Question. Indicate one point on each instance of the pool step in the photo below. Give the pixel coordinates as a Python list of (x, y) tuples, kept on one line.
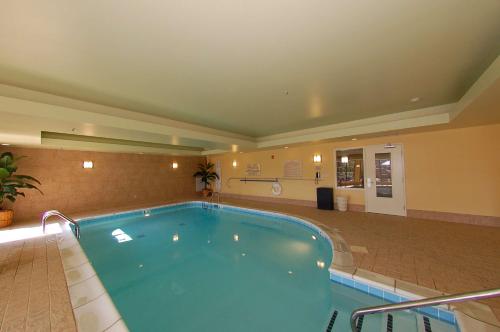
[(332, 321), (389, 323), (359, 323), (405, 321)]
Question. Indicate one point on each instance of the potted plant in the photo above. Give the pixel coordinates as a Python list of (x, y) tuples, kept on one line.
[(207, 176), (10, 185)]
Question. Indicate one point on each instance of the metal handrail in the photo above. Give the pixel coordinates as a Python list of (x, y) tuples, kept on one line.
[(51, 213), (213, 195), (432, 301)]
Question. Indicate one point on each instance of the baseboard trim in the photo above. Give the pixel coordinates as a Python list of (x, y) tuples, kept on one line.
[(281, 200), (411, 213), (460, 218)]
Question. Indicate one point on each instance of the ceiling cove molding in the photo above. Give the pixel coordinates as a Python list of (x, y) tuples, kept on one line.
[(107, 147), (215, 151), (429, 116), (485, 81)]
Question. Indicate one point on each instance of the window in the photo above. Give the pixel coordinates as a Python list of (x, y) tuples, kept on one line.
[(350, 172), (383, 175)]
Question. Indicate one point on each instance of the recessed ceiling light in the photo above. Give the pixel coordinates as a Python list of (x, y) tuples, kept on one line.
[(286, 147), (414, 99), (354, 139), (5, 144)]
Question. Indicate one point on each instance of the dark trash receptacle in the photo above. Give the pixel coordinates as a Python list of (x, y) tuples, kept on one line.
[(325, 198)]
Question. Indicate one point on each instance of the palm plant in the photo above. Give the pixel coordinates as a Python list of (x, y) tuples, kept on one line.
[(206, 174), (10, 184)]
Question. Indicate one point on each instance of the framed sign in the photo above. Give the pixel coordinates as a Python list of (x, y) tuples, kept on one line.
[(253, 169), (292, 169)]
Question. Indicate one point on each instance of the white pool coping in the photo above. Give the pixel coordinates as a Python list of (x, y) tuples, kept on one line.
[(95, 311)]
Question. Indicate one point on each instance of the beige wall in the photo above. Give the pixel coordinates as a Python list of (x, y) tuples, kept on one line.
[(117, 179), (456, 170)]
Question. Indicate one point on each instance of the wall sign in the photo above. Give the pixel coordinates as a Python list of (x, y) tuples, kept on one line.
[(253, 169), (292, 169)]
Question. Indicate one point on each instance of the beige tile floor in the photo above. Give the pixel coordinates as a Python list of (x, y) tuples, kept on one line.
[(445, 256), (33, 291)]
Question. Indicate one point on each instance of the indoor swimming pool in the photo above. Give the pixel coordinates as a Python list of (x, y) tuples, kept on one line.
[(203, 267)]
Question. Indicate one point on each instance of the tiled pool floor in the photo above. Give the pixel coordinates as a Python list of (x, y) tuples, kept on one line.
[(444, 256)]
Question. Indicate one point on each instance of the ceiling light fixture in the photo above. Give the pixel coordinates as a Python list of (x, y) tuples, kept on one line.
[(354, 139), (5, 144), (414, 99)]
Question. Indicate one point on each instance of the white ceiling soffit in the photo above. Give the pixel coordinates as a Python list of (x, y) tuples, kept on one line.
[(31, 112), (405, 120), (490, 76), (105, 147)]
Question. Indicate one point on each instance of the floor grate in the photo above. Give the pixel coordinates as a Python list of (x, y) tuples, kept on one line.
[(332, 321), (389, 322), (427, 324)]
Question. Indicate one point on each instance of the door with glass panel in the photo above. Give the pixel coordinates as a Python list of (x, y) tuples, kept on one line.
[(384, 179)]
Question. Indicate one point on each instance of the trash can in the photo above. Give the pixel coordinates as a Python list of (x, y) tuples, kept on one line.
[(324, 198), (342, 203)]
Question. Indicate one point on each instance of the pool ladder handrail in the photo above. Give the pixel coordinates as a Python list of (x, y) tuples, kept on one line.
[(56, 213), (211, 200), (431, 301)]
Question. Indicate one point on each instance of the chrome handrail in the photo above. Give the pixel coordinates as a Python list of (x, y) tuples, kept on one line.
[(51, 213), (432, 301), (211, 200)]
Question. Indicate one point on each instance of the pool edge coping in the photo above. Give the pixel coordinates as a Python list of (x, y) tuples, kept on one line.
[(464, 321)]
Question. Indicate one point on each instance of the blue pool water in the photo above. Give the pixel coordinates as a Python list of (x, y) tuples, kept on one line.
[(186, 268)]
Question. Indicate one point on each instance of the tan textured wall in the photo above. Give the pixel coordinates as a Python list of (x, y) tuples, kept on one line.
[(455, 170), (117, 179)]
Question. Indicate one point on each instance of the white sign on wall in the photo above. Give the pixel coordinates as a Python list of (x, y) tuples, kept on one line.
[(292, 169), (253, 169)]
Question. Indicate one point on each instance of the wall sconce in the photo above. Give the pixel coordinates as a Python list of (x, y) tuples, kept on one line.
[(344, 159), (235, 163), (88, 164), (317, 158), (175, 165)]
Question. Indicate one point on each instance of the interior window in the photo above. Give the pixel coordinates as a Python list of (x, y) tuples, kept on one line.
[(350, 172)]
